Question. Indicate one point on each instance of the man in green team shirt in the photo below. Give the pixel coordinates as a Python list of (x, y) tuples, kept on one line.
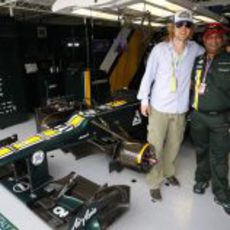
[(210, 119)]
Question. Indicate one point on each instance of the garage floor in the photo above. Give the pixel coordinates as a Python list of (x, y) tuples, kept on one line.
[(179, 210)]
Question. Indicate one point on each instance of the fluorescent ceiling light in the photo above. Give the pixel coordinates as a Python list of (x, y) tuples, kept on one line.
[(166, 4), (146, 23), (95, 14), (204, 18), (73, 44), (62, 4), (69, 5), (195, 20), (152, 9), (156, 24)]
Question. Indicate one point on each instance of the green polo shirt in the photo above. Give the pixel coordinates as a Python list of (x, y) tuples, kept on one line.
[(217, 94)]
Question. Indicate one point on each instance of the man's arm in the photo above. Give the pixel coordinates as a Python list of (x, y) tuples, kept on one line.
[(147, 80)]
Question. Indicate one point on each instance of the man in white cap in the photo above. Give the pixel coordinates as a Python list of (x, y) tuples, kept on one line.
[(164, 95)]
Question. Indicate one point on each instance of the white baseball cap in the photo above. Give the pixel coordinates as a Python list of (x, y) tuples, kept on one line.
[(183, 16)]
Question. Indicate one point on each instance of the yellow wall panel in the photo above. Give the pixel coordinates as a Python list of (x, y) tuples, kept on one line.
[(128, 62)]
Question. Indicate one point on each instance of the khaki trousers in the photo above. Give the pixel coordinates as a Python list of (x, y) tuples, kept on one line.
[(165, 133)]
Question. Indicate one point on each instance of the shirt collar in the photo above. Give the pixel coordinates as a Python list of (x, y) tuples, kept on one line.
[(188, 44)]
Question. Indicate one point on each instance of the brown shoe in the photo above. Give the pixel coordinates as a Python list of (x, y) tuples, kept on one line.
[(156, 194), (173, 181)]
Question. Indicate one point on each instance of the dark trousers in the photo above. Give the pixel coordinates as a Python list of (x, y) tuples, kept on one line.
[(211, 137)]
